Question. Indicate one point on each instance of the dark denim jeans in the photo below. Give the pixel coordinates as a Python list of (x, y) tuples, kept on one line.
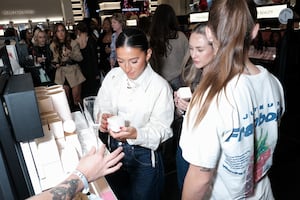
[(137, 179), (182, 167)]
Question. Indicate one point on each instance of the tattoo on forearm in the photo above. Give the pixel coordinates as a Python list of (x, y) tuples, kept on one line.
[(65, 190), (204, 169)]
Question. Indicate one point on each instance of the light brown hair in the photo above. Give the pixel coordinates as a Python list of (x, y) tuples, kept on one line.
[(231, 22)]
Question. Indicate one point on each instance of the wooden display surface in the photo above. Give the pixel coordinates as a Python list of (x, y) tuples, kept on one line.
[(102, 189)]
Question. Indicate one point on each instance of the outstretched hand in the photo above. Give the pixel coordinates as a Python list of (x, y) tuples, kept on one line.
[(96, 164)]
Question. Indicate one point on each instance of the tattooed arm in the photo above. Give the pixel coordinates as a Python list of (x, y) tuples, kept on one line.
[(65, 190), (93, 166), (197, 182)]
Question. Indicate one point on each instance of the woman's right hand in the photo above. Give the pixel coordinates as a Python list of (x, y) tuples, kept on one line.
[(180, 104), (103, 122)]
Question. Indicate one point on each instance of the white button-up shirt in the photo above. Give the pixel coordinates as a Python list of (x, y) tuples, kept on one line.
[(146, 103)]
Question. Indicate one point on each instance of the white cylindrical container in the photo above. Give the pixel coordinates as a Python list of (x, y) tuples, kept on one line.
[(60, 104)]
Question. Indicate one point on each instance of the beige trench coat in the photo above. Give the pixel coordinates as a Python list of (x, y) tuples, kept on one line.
[(72, 73)]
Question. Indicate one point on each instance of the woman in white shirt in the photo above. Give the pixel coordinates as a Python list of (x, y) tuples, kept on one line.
[(230, 130), (144, 100)]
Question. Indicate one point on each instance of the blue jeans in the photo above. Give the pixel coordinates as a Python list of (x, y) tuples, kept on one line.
[(137, 179), (182, 167)]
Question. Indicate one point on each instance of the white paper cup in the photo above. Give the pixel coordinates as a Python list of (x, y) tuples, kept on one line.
[(115, 122), (184, 93)]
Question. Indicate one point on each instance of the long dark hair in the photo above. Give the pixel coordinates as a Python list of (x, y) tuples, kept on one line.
[(108, 19), (164, 26), (82, 27), (57, 43)]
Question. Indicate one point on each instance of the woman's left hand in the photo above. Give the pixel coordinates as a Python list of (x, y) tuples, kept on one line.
[(182, 104), (124, 133)]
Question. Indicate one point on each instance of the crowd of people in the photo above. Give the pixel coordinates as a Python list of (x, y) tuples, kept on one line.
[(225, 132)]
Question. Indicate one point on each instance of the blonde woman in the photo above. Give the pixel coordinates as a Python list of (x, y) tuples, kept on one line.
[(231, 126), (42, 55), (197, 59)]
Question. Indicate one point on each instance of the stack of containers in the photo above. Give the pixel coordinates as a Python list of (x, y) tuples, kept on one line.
[(57, 153)]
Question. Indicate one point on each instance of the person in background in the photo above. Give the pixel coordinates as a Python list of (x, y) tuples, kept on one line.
[(92, 166), (135, 93), (26, 39), (10, 35), (274, 39), (118, 23), (144, 23), (42, 55), (89, 64), (94, 28), (35, 30), (26, 49), (104, 67), (258, 43), (66, 55), (104, 43), (169, 45), (230, 129), (197, 59), (92, 8), (49, 35)]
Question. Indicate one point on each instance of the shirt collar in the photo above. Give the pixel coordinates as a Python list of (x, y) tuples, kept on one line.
[(143, 80)]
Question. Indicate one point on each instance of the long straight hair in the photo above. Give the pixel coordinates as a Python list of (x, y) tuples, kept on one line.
[(164, 26), (57, 44), (231, 22)]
